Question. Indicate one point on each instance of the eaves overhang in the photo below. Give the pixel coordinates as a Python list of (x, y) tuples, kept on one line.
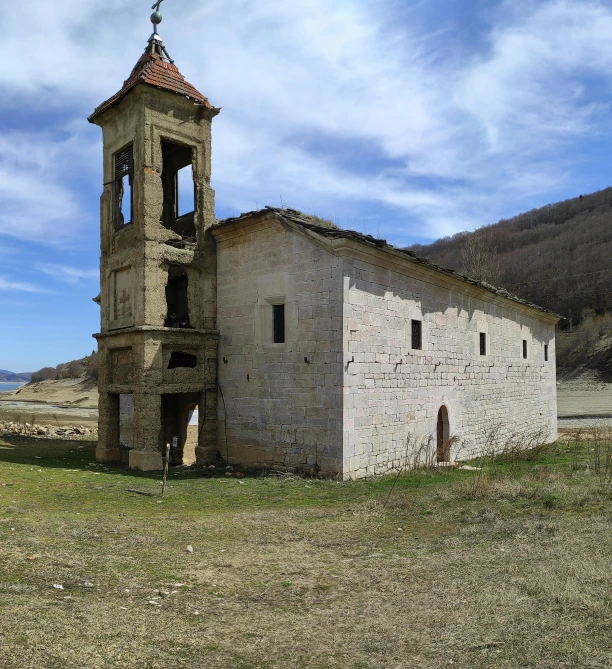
[(378, 251)]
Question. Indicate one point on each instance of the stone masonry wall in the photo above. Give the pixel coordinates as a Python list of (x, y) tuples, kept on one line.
[(392, 392), (282, 402)]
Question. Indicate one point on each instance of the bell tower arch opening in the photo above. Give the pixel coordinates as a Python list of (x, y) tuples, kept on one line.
[(177, 298), (178, 188)]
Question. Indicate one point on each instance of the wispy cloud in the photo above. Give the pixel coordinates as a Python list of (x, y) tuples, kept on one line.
[(38, 203), (341, 107), (69, 274), (19, 286)]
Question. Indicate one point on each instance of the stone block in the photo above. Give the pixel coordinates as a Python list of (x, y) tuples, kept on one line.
[(146, 461)]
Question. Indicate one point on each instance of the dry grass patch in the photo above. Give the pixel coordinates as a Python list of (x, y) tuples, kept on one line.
[(301, 573)]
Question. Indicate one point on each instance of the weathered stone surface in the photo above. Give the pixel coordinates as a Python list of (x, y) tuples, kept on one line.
[(135, 346), (47, 431), (347, 390)]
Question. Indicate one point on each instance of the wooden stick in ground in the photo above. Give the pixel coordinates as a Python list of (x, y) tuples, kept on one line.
[(166, 469)]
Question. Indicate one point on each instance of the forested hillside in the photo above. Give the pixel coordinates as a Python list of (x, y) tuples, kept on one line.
[(559, 256), (86, 367)]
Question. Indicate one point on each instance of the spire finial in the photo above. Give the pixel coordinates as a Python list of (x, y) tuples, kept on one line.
[(156, 17), (155, 41)]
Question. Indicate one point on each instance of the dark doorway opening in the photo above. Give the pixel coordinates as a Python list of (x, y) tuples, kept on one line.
[(177, 298), (180, 426), (443, 439)]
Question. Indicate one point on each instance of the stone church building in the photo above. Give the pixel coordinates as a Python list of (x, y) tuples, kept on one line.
[(273, 340)]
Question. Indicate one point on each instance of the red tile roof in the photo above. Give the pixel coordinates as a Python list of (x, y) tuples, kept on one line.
[(153, 70)]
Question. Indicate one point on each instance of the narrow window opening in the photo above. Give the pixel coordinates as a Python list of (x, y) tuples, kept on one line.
[(417, 335), (278, 312), (177, 299), (178, 188), (525, 349), (483, 343), (123, 181), (182, 359), (545, 352)]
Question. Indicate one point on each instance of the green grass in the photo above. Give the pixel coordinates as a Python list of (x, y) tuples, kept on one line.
[(506, 567)]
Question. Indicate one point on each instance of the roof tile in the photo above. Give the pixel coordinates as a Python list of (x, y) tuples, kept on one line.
[(153, 70), (310, 223)]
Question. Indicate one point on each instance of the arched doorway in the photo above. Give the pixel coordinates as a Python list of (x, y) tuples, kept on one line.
[(442, 442)]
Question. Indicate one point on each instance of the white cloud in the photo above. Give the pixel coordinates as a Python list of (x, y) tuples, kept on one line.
[(529, 85), (69, 274), (37, 201), (445, 141), (11, 286)]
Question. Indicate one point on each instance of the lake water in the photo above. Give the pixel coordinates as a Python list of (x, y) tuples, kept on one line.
[(5, 387)]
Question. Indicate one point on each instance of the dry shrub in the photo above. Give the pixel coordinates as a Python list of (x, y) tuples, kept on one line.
[(425, 456), (591, 449), (601, 445), (401, 503), (485, 516), (495, 488), (478, 487)]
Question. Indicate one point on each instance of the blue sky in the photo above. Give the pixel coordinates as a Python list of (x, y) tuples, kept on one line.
[(405, 119)]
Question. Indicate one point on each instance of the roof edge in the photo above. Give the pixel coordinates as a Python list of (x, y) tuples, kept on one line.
[(297, 217), (153, 70)]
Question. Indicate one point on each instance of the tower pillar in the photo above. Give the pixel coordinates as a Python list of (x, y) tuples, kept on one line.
[(158, 339), (146, 454), (108, 432)]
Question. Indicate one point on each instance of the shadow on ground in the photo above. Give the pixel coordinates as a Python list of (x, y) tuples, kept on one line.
[(80, 454)]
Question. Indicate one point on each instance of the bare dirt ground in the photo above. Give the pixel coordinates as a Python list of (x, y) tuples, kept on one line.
[(81, 393), (506, 567), (584, 402), (63, 402)]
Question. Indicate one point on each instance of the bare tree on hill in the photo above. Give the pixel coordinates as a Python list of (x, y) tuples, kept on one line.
[(479, 260)]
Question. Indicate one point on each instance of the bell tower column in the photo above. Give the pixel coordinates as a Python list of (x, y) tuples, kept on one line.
[(157, 266)]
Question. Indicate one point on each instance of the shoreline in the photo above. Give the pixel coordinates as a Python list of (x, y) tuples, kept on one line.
[(61, 402)]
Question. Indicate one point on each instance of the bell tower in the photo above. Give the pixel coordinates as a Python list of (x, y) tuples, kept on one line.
[(158, 344)]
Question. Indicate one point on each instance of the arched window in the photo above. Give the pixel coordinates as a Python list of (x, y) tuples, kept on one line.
[(443, 436)]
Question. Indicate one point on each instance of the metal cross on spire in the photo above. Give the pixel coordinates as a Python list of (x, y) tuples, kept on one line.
[(155, 41), (156, 17)]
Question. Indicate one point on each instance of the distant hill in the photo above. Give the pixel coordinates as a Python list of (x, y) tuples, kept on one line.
[(14, 377), (558, 256), (86, 367)]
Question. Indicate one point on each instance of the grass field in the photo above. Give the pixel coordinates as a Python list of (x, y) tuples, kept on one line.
[(510, 566)]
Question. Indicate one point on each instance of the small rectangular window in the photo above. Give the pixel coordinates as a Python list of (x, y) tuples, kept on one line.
[(278, 312), (417, 335), (545, 352), (182, 359), (123, 178), (525, 349), (483, 343)]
